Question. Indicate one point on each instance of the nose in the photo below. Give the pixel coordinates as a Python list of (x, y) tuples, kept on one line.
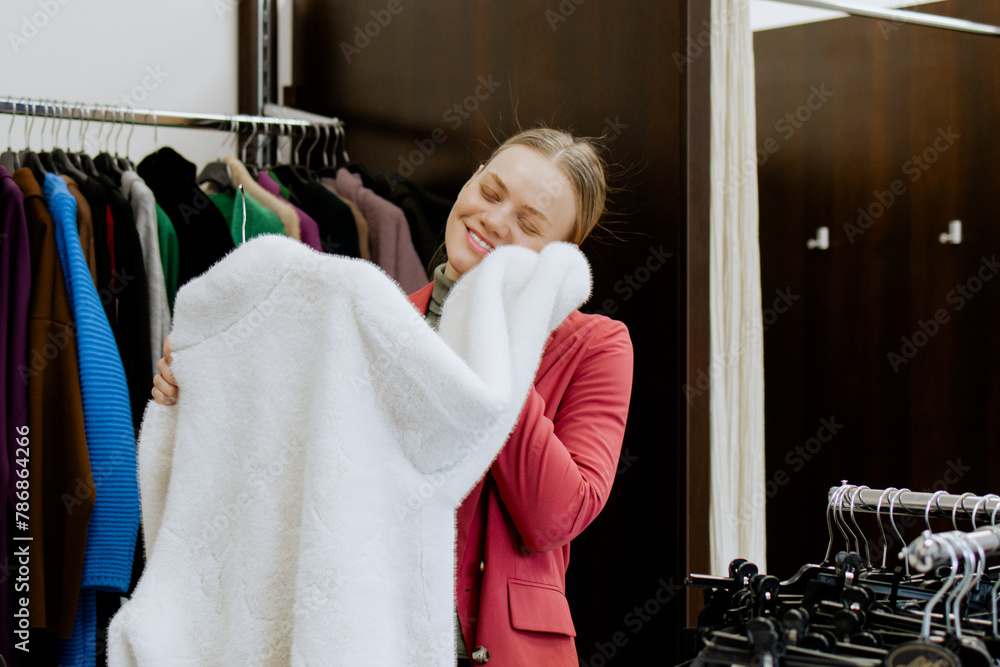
[(497, 223)]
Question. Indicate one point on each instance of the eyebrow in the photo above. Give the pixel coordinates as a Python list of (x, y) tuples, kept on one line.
[(530, 209)]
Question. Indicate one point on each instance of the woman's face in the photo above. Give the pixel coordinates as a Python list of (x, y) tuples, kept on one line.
[(520, 198)]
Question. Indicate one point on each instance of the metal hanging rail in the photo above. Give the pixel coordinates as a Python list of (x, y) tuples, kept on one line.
[(930, 550), (900, 16), (128, 115), (917, 503)]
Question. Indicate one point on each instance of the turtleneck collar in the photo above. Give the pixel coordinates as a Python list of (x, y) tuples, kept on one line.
[(442, 286)]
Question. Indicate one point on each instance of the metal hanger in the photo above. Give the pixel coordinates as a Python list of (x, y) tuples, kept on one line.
[(9, 158), (868, 557), (28, 157), (927, 510), (954, 510), (881, 527), (217, 172), (892, 520), (342, 133), (62, 160)]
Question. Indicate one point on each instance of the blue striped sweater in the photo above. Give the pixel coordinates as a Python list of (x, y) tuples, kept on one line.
[(114, 523)]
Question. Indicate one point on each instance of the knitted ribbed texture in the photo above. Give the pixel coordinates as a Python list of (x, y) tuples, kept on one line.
[(114, 523), (81, 649)]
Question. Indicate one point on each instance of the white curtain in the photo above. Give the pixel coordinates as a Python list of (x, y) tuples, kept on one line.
[(737, 367)]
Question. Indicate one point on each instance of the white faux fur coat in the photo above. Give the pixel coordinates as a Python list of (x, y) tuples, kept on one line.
[(298, 501)]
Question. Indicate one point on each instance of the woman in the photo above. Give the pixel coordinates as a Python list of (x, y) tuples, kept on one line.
[(553, 476)]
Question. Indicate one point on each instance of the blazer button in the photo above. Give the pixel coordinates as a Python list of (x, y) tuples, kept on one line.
[(482, 566), (481, 655)]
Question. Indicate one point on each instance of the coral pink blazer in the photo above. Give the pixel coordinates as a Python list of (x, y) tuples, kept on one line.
[(548, 483)]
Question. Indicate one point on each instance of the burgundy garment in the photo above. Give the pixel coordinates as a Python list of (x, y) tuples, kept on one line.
[(15, 290), (308, 228), (388, 232)]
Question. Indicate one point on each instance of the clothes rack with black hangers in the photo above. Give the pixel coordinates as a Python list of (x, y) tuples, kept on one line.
[(204, 121), (848, 609)]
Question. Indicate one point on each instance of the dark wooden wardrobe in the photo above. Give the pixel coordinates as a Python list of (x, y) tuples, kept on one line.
[(883, 133), (428, 87)]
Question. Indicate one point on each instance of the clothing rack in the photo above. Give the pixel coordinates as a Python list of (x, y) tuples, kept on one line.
[(916, 503), (900, 16), (131, 116), (930, 550)]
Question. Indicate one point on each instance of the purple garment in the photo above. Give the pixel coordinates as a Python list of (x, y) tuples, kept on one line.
[(308, 228), (388, 232), (15, 291)]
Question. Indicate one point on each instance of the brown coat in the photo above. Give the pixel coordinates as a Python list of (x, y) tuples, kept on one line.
[(62, 489), (85, 227)]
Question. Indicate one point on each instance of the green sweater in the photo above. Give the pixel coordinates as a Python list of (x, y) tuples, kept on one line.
[(170, 254), (260, 220)]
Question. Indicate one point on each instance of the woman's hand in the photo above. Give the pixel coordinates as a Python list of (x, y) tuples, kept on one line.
[(164, 386)]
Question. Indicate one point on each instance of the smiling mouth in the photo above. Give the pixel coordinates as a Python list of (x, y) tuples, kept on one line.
[(478, 243)]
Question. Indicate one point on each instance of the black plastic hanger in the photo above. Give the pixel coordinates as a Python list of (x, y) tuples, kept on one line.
[(218, 173)]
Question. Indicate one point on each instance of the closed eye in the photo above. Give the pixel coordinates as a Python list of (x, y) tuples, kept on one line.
[(488, 194)]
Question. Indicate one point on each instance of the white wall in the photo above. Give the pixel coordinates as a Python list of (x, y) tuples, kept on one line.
[(179, 55), (765, 14)]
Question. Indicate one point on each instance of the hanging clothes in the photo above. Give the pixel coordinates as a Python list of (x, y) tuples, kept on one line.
[(15, 283), (85, 227), (361, 222), (129, 289), (202, 234), (114, 522), (389, 236), (426, 213), (59, 463), (337, 228), (169, 254), (286, 213), (308, 226), (100, 214), (144, 212), (259, 220)]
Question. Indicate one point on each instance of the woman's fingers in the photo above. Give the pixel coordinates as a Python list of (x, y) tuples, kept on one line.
[(159, 396), (166, 350), (164, 386), (163, 366)]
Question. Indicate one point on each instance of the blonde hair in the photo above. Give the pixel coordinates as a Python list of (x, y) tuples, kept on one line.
[(578, 159)]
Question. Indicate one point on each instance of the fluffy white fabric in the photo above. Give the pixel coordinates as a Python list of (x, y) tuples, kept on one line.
[(298, 501)]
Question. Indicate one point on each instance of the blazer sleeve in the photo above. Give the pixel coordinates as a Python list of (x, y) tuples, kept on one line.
[(554, 475)]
